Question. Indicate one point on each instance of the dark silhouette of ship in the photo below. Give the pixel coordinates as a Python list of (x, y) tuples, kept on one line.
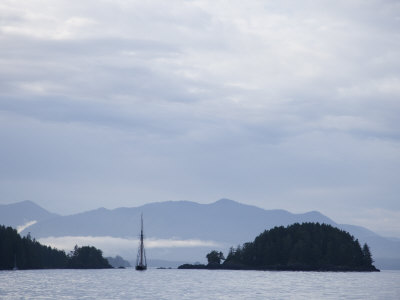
[(141, 263)]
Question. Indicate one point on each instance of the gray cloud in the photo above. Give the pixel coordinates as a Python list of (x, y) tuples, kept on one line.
[(124, 246), (289, 105)]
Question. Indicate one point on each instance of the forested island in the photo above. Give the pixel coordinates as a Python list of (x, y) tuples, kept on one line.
[(27, 253), (298, 247)]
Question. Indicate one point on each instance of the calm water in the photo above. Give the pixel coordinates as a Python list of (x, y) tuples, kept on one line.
[(196, 284)]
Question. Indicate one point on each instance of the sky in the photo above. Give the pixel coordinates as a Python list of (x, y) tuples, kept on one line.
[(279, 104)]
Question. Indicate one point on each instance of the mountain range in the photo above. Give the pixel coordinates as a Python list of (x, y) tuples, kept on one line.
[(177, 230)]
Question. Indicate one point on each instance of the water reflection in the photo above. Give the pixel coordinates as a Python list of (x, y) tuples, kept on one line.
[(196, 284)]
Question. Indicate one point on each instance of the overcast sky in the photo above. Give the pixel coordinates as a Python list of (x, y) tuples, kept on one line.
[(279, 104)]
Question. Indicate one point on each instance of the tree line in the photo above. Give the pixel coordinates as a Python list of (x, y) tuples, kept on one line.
[(28, 253), (307, 246)]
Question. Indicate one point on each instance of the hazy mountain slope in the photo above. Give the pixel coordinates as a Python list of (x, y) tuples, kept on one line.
[(226, 222), (20, 213)]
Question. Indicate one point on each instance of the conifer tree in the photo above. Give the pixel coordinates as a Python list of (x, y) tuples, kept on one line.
[(367, 257)]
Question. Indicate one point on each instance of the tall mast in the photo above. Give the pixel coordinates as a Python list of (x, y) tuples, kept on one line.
[(141, 241), (141, 263)]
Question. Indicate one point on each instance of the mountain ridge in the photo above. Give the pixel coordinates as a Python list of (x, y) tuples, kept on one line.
[(222, 206), (20, 213), (226, 221)]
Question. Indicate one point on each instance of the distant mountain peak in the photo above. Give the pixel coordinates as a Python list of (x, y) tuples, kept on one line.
[(20, 214), (225, 201), (27, 202)]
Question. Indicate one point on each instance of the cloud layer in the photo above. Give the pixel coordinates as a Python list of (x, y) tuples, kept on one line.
[(112, 246), (283, 105)]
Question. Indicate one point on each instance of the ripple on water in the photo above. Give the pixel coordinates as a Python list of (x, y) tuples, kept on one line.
[(196, 284)]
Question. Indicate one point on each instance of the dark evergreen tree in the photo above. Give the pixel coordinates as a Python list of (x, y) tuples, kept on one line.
[(27, 253), (87, 258), (215, 257), (307, 246), (367, 257)]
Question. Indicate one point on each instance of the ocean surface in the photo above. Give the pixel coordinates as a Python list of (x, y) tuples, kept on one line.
[(196, 284)]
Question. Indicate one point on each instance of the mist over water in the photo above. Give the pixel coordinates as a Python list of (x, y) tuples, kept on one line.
[(196, 284)]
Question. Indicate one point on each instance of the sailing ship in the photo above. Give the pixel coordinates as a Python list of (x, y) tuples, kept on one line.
[(141, 263)]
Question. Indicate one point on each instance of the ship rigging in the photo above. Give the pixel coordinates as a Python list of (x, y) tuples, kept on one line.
[(141, 262)]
